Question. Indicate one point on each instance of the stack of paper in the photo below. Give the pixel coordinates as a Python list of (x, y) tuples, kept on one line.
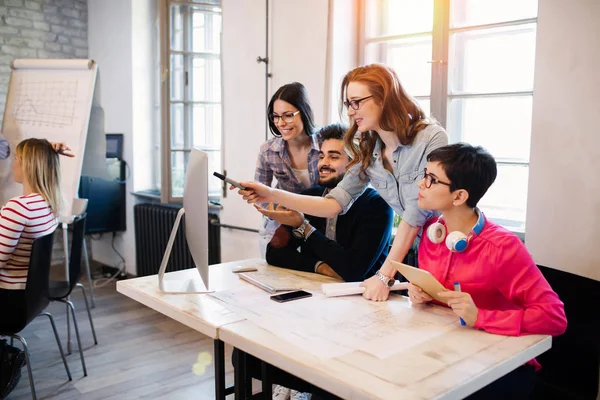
[(350, 288)]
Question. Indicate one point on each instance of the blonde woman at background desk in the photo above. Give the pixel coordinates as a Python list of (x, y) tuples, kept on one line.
[(22, 220), (395, 138)]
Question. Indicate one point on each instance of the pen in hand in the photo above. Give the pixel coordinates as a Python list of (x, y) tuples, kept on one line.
[(457, 289)]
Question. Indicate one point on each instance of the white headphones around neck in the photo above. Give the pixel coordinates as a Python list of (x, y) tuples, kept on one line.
[(455, 241)]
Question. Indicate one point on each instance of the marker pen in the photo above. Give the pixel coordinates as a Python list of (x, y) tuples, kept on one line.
[(457, 289)]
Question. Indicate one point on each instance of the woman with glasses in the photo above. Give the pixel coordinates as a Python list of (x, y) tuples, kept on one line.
[(291, 157), (389, 138), (493, 283)]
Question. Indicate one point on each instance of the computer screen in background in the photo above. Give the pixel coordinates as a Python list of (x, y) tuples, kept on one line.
[(114, 145)]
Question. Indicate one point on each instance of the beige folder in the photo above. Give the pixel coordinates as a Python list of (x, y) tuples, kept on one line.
[(422, 279)]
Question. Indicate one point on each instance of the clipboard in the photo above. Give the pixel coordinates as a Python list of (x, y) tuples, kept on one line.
[(422, 279)]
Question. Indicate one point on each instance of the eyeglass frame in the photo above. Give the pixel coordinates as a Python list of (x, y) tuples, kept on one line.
[(431, 180), (274, 116), (350, 104)]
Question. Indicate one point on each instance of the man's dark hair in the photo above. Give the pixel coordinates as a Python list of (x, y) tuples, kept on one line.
[(295, 94), (471, 168), (333, 131)]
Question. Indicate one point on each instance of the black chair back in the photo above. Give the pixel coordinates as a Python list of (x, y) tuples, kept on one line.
[(76, 251), (35, 296)]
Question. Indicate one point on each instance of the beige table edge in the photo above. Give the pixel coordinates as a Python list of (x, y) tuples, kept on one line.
[(210, 329), (226, 333), (340, 388)]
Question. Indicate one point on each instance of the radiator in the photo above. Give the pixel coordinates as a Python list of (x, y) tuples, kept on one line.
[(153, 225)]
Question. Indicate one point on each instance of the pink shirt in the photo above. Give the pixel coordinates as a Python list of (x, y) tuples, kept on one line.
[(512, 295)]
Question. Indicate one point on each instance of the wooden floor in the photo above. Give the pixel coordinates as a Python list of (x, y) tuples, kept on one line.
[(141, 354)]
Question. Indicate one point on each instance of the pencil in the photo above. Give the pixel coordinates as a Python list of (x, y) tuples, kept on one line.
[(457, 289)]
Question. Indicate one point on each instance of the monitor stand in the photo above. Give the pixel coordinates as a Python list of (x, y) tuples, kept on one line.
[(178, 286)]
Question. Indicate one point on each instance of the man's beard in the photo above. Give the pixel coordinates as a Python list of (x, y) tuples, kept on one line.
[(331, 182)]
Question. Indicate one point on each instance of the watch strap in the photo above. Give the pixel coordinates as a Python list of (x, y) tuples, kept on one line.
[(388, 282)]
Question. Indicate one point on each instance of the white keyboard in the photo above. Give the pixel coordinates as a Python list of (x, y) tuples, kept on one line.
[(269, 282)]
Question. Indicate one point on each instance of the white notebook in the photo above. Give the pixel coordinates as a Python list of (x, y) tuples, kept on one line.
[(350, 288)]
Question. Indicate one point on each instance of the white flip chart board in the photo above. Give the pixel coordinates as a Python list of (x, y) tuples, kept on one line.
[(50, 99)]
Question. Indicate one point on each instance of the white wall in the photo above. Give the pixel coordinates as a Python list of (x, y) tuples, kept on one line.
[(109, 37), (299, 39), (563, 208), (343, 54), (121, 40), (145, 66), (298, 53), (243, 118)]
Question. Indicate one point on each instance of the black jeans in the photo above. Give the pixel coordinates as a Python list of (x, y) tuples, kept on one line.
[(517, 385), (12, 310), (280, 377)]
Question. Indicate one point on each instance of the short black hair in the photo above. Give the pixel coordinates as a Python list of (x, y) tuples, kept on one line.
[(295, 94), (333, 131), (471, 168)]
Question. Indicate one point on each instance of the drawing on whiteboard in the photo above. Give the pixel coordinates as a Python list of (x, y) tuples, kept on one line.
[(48, 103)]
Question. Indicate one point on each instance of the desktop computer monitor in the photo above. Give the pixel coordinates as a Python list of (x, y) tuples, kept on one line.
[(195, 208)]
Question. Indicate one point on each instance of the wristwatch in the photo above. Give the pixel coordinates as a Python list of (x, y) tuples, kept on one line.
[(389, 282), (298, 232)]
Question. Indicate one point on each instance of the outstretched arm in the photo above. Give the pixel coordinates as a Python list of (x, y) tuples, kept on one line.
[(318, 206)]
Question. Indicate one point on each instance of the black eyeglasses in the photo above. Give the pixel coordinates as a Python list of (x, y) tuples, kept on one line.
[(287, 117), (432, 180), (355, 104)]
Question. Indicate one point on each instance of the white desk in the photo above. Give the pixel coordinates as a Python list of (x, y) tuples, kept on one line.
[(199, 312), (450, 366)]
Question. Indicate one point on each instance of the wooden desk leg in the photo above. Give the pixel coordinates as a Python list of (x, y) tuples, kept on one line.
[(219, 370), (267, 388), (240, 376)]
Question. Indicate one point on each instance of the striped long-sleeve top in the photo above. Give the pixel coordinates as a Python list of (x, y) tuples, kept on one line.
[(22, 219)]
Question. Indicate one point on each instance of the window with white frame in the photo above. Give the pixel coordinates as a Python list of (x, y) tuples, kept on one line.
[(470, 64), (192, 105)]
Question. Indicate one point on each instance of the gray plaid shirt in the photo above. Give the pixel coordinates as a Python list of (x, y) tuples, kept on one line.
[(274, 162)]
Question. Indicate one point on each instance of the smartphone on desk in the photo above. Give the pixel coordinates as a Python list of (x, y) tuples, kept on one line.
[(289, 296)]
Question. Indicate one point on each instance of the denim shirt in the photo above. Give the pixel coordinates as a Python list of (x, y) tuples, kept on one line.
[(399, 189), (274, 161)]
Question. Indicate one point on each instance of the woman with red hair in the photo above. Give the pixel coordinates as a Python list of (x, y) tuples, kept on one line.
[(389, 138)]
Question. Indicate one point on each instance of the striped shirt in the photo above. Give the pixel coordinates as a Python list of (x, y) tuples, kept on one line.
[(22, 219)]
